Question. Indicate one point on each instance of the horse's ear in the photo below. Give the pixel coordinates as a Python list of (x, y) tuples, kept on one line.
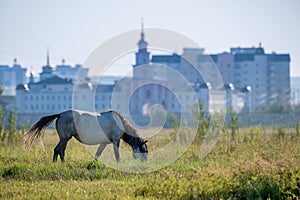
[(145, 141)]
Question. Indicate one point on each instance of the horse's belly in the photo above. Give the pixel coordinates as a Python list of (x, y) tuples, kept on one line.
[(90, 132)]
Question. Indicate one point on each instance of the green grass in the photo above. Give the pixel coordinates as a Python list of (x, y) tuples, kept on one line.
[(256, 166)]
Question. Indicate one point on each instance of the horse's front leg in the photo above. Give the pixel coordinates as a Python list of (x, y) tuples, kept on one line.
[(100, 150), (116, 150)]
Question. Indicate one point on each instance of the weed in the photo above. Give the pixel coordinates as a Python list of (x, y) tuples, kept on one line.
[(2, 131), (234, 118), (202, 120), (297, 129), (281, 132), (13, 133)]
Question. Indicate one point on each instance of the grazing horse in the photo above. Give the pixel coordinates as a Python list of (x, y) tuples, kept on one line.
[(90, 128)]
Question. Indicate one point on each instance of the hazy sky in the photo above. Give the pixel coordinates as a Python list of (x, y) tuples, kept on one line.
[(73, 28)]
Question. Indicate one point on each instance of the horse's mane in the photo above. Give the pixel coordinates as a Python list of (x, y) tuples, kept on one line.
[(129, 128)]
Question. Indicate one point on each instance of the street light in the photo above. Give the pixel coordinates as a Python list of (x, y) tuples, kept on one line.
[(248, 88)]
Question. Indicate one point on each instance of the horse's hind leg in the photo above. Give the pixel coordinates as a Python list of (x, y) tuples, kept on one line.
[(60, 150), (56, 151), (100, 150)]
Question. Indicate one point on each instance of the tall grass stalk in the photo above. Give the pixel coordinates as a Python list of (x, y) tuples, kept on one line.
[(2, 129)]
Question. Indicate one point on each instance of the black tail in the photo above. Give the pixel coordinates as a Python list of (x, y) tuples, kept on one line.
[(35, 131)]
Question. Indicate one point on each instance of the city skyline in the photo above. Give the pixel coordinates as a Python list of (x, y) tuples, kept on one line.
[(73, 30)]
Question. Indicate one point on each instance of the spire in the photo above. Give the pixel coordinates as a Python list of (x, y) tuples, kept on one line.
[(48, 57), (31, 78), (142, 56), (142, 28), (142, 43)]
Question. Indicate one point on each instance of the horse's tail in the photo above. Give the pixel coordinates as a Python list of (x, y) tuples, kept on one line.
[(35, 131)]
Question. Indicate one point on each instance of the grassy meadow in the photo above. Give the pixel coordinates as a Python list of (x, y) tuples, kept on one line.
[(255, 163)]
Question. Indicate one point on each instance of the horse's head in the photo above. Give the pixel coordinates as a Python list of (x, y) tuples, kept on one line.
[(141, 150)]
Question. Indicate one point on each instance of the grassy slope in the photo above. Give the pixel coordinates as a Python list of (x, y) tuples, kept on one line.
[(254, 165)]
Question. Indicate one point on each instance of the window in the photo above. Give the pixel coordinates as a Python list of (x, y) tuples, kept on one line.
[(148, 93)]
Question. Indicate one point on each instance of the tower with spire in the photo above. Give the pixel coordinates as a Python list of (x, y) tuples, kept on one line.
[(142, 56), (47, 69)]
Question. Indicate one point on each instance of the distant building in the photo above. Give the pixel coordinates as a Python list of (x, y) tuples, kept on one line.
[(55, 95), (7, 103), (295, 90), (156, 82), (51, 95), (69, 72), (252, 80), (63, 71), (268, 75), (10, 77)]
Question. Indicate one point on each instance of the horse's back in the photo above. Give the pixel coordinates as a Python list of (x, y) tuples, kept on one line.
[(93, 128), (90, 127)]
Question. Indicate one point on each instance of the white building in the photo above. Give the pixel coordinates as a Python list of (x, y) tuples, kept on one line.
[(63, 71), (55, 95), (51, 95), (10, 77)]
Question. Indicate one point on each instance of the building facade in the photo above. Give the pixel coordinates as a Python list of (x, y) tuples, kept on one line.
[(252, 80), (10, 77), (64, 71)]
